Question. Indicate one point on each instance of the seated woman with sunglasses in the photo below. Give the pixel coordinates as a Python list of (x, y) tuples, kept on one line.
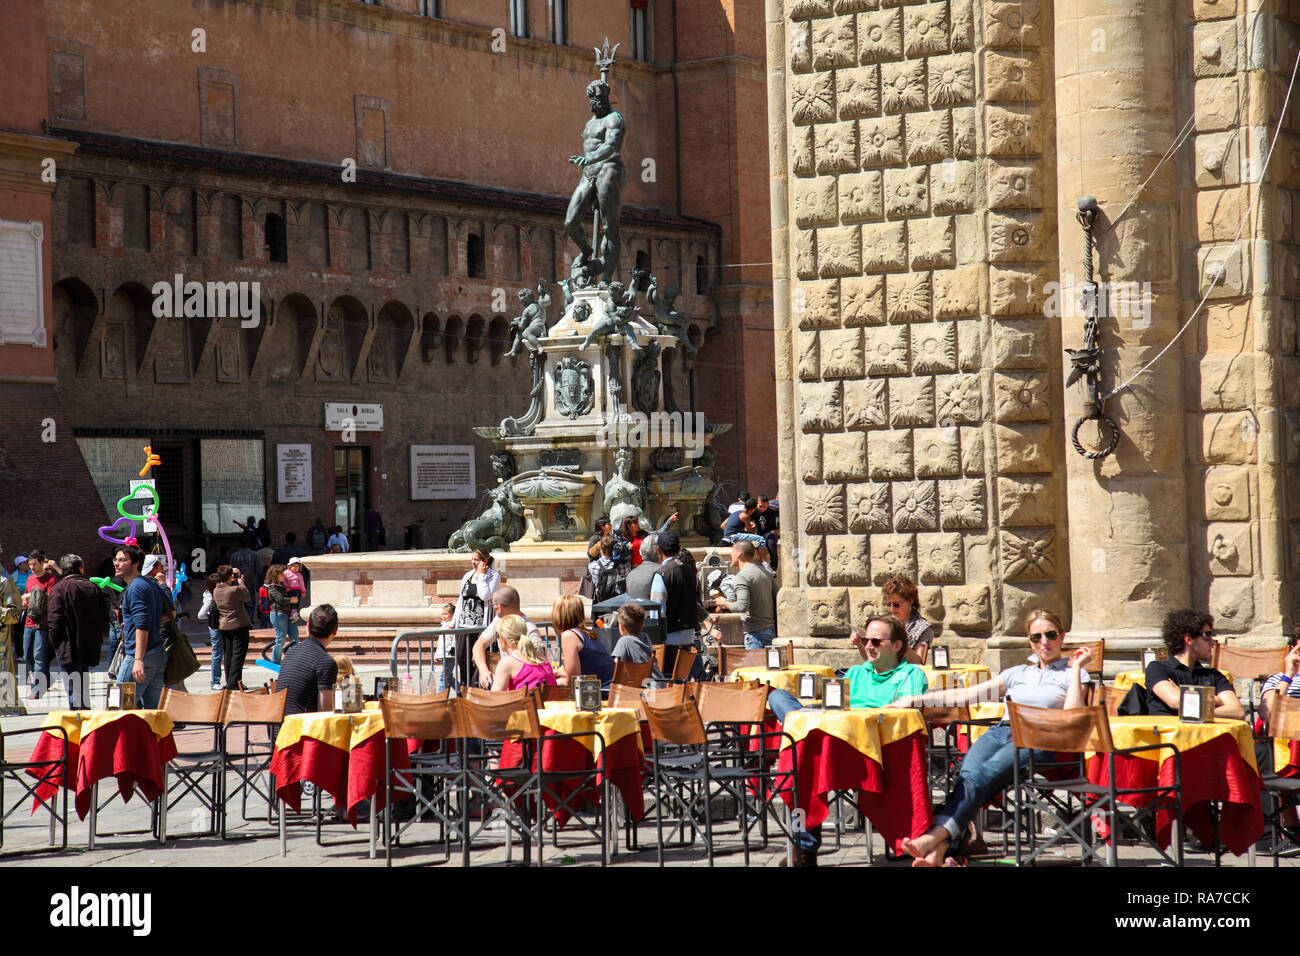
[(1047, 680), (900, 595)]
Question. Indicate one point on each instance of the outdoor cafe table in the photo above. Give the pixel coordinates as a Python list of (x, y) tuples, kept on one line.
[(787, 678), (1218, 764), (132, 745), (955, 675), (343, 754), (620, 759), (880, 753)]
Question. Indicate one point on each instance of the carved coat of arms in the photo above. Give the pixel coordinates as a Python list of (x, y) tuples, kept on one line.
[(575, 389)]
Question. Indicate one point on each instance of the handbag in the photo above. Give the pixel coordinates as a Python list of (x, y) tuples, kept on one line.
[(181, 661), (119, 655)]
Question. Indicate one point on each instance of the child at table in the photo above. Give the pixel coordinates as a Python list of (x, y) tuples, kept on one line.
[(523, 659), (633, 645)]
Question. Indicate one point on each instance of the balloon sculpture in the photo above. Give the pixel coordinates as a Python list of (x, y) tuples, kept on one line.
[(149, 513)]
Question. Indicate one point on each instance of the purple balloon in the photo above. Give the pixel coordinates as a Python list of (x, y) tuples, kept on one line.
[(106, 531)]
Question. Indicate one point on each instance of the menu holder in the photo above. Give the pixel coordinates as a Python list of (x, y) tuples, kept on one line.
[(778, 657), (121, 696), (1196, 705), (835, 695), (1152, 654), (939, 657), (810, 685), (586, 692)]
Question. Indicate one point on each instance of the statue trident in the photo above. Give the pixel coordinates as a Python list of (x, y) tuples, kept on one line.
[(603, 176)]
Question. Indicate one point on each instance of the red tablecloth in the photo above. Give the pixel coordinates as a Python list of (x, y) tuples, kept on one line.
[(621, 760), (892, 793), (349, 776), (50, 779), (124, 747), (1213, 771)]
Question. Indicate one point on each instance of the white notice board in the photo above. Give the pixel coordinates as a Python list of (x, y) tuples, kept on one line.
[(293, 473)]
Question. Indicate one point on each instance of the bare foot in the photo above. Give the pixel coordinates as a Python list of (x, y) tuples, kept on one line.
[(928, 850)]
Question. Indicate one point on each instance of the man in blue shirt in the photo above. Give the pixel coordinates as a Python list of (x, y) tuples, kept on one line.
[(142, 613)]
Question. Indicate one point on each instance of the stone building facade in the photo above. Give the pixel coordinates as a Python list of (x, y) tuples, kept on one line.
[(389, 175), (927, 160)]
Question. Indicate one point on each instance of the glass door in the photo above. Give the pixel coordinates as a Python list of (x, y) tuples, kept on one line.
[(351, 491)]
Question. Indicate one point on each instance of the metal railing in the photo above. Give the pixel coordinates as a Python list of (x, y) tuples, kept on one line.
[(421, 645)]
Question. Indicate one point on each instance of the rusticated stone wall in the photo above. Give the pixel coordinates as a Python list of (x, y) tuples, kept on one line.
[(927, 158), (927, 397)]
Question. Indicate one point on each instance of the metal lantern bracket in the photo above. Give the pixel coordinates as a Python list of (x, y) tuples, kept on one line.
[(1086, 362)]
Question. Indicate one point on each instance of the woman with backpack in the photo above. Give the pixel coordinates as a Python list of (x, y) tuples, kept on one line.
[(210, 616)]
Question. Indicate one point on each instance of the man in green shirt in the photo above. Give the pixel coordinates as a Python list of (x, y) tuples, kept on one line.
[(882, 678)]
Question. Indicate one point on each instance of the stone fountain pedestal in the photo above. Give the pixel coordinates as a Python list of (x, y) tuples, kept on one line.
[(591, 397)]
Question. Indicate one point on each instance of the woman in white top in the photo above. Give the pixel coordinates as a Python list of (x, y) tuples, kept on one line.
[(1048, 680), (473, 607)]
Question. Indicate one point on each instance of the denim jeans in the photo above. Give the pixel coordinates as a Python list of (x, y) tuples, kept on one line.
[(757, 540), (987, 769), (36, 655), (285, 627), (148, 690), (214, 639), (757, 640)]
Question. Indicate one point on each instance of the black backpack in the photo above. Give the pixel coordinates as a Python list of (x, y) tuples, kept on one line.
[(38, 607), (214, 616), (608, 584)]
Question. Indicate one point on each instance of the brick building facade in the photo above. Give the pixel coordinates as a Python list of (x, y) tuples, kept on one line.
[(222, 148)]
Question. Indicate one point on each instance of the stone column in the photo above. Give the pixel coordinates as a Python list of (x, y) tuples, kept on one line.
[(790, 565), (1116, 117)]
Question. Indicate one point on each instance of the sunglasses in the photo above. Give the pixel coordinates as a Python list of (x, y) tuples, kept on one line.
[(1208, 635), (897, 603), (1045, 636)]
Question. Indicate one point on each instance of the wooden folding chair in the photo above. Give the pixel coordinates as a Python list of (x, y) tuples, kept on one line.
[(1077, 731), (190, 768), (631, 674)]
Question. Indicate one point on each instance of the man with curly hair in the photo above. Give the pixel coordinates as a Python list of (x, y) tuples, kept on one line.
[(1189, 636)]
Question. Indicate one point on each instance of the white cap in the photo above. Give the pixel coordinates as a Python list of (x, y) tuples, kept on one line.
[(151, 561)]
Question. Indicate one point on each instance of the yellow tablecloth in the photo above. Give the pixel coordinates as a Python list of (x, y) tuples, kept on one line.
[(81, 723), (1144, 730), (1126, 679), (958, 675), (1281, 754), (866, 731), (563, 717), (786, 679), (343, 731), (612, 723)]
